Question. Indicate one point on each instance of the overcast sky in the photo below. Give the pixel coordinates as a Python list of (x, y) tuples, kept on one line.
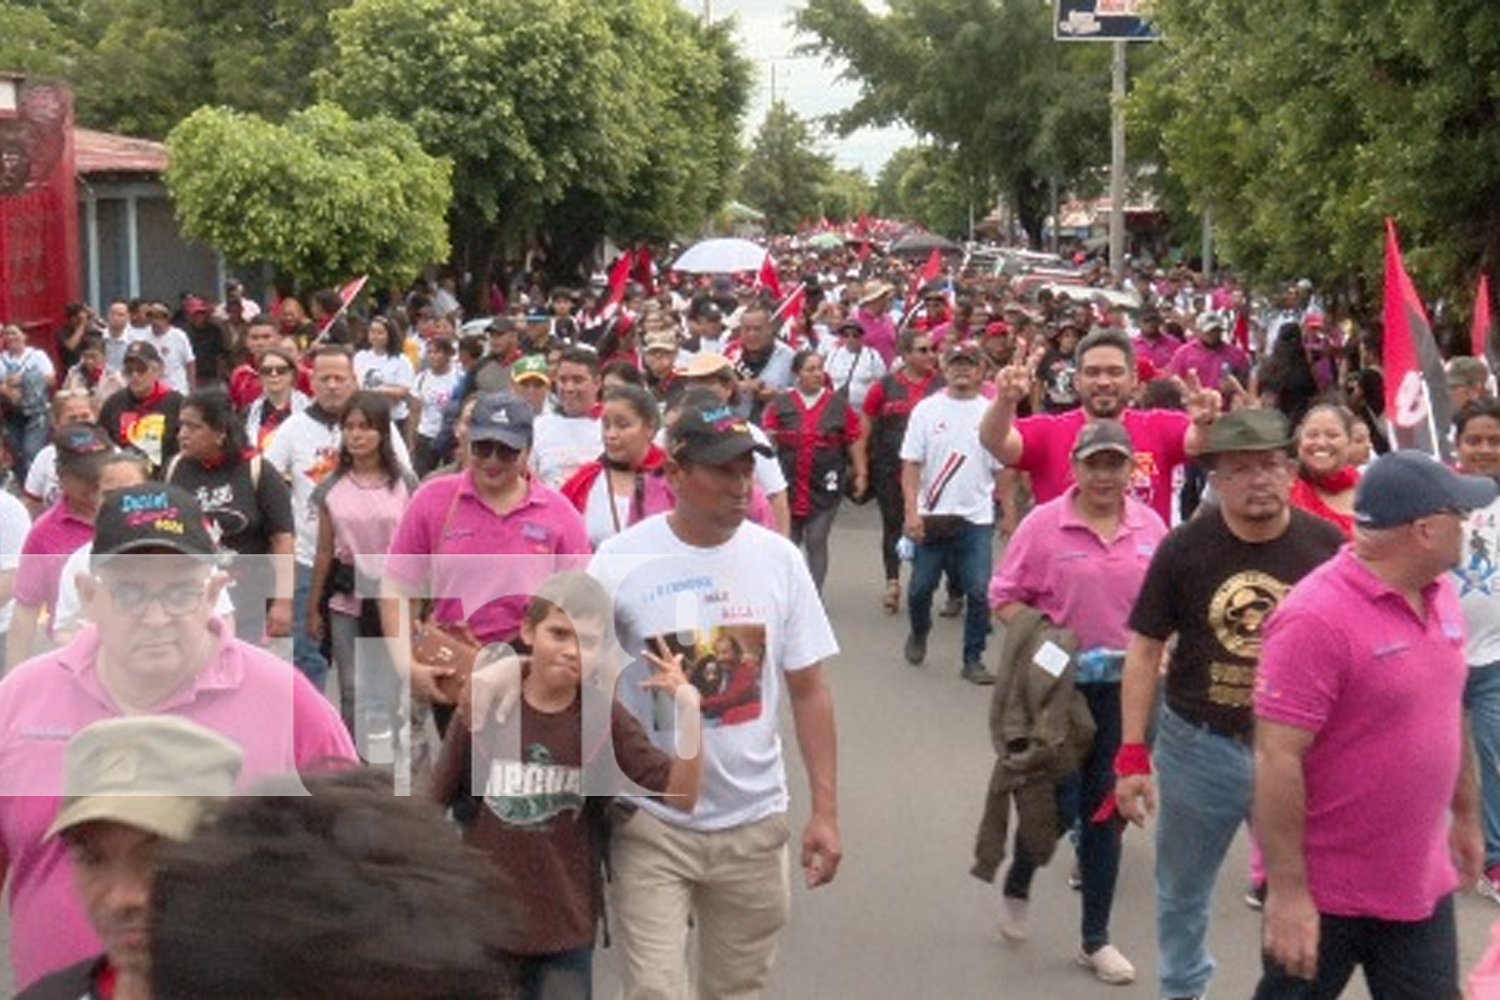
[(807, 86)]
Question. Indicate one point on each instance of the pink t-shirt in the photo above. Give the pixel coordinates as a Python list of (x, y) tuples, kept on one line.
[(1210, 364), (1347, 659), (1058, 565), (54, 536), (363, 522), (255, 699), (880, 333), (488, 565), (1157, 436)]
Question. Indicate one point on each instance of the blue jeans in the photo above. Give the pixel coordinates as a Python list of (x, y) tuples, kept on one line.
[(305, 653), (1204, 784), (966, 558), (1415, 960), (562, 975), (1098, 843), (1482, 702)]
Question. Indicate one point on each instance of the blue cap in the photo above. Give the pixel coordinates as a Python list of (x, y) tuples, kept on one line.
[(1402, 486)]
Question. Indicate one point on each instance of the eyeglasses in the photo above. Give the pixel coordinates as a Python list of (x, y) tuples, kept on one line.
[(271, 371), (135, 367), (492, 449), (133, 599)]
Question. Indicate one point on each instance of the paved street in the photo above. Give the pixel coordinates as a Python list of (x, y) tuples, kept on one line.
[(905, 921)]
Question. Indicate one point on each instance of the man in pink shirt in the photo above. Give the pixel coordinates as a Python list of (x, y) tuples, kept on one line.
[(1365, 792), (1209, 357), (1039, 445), (156, 647)]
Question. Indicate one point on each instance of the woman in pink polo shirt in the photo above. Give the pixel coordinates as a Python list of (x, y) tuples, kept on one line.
[(1080, 560), (475, 544)]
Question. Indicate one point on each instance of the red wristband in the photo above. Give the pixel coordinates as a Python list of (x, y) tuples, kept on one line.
[(1133, 758)]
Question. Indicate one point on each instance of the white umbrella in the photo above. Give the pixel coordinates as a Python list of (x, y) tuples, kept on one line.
[(728, 255)]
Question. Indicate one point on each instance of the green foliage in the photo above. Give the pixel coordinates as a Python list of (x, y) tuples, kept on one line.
[(574, 117), (33, 42), (931, 186), (785, 175), (322, 197), (980, 78), (1305, 124)]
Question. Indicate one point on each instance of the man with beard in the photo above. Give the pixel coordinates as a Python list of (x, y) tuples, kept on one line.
[(1212, 584), (1105, 378)]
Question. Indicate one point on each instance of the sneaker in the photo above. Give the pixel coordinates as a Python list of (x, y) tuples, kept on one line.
[(974, 673), (1075, 878), (1255, 896), (1108, 965), (916, 649), (952, 607), (1012, 921), (1488, 886)]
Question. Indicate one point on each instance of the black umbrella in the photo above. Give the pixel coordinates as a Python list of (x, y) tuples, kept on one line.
[(917, 244)]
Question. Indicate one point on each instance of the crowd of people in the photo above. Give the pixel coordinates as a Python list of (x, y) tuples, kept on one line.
[(464, 522)]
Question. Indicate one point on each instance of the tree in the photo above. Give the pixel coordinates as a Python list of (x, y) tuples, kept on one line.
[(785, 176), (1303, 124), (931, 186), (567, 120), (141, 66), (322, 197), (981, 79)]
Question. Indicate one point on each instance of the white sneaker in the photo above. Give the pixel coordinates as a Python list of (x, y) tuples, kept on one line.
[(1108, 965), (1487, 888), (1013, 919)]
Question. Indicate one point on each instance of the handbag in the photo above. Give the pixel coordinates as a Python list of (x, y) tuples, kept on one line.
[(442, 645), (451, 646)]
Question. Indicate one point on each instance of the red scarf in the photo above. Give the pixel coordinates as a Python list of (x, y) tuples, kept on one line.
[(1335, 482)]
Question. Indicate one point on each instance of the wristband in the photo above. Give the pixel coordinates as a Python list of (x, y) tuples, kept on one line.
[(1132, 758)]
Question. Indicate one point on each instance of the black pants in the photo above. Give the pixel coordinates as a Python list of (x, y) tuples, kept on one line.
[(1402, 961)]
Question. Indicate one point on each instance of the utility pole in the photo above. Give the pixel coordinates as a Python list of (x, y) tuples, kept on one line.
[(1117, 163)]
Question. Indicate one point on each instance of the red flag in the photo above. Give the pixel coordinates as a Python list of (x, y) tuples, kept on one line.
[(790, 306), (931, 269), (644, 272), (619, 273), (1417, 407), (1484, 346), (768, 278), (347, 295)]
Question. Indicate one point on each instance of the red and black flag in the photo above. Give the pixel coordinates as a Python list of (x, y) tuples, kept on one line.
[(1417, 406)]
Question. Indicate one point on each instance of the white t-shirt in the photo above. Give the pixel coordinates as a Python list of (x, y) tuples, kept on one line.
[(1478, 580), (69, 615), (434, 391), (560, 444), (41, 478), (755, 590), (14, 524), (176, 352), (857, 369), (376, 371), (305, 451), (958, 473)]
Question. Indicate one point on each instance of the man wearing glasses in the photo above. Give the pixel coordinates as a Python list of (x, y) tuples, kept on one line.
[(156, 647), (1212, 584), (143, 416)]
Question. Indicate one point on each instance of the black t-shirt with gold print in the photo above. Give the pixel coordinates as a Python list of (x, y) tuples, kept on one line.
[(1215, 592)]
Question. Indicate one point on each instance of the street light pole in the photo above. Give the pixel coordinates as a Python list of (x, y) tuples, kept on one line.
[(1117, 163)]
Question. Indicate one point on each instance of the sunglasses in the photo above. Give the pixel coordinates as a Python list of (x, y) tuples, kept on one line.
[(135, 368), (492, 449), (271, 371)]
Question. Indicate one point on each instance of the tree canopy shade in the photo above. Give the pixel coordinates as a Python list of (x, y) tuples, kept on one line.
[(322, 198), (572, 119), (785, 175), (1303, 123), (981, 79)]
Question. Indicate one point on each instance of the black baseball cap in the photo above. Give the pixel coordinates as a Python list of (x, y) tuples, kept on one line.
[(499, 416), (711, 433), (152, 516)]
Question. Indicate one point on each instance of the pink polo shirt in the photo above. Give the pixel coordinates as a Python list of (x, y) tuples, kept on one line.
[(1157, 436), (1381, 690), (481, 566), (245, 693), (54, 536), (1058, 565)]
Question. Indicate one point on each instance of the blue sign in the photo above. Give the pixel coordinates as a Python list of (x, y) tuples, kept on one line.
[(1104, 21)]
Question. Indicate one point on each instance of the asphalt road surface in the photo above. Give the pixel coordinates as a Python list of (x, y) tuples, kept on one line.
[(905, 920)]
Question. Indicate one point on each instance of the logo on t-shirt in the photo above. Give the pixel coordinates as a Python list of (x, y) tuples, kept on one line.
[(1476, 574), (530, 793), (725, 665), (1237, 616)]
